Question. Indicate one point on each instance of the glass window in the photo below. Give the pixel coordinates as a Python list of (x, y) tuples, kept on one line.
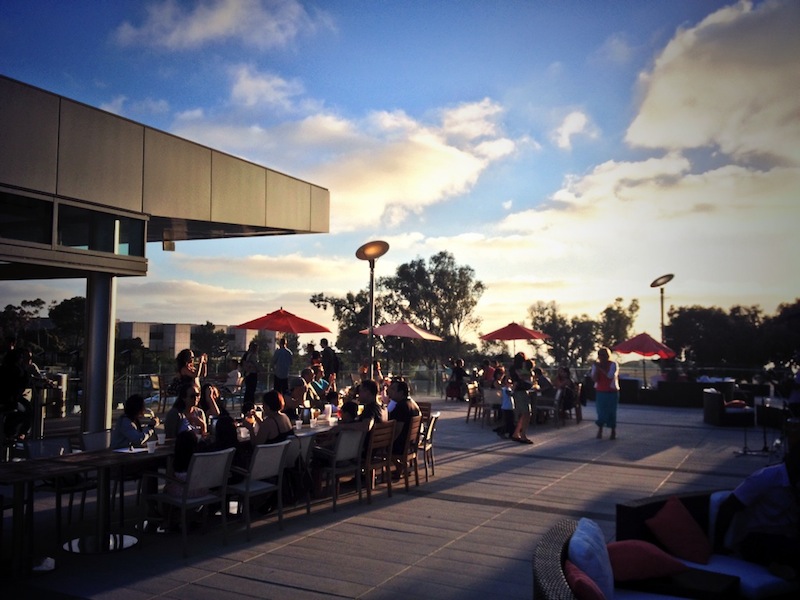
[(92, 230), (25, 218)]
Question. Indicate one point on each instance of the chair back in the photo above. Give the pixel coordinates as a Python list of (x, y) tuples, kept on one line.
[(381, 439), (95, 440), (348, 445), (428, 439), (412, 440), (306, 446), (208, 470), (425, 409), (268, 460), (293, 451)]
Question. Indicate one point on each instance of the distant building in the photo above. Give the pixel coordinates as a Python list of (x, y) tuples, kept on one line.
[(171, 338)]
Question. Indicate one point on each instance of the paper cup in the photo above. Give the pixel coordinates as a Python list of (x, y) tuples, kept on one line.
[(162, 439), (298, 424), (151, 447)]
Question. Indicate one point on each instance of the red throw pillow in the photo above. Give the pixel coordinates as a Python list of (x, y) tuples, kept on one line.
[(633, 560), (581, 584), (679, 533)]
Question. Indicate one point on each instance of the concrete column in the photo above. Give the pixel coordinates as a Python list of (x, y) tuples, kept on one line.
[(98, 371)]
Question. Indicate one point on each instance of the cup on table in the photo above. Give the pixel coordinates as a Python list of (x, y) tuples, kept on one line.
[(332, 421), (298, 424), (151, 446), (162, 438), (313, 423)]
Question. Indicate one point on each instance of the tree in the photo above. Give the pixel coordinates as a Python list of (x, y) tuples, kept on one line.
[(572, 340), (616, 322), (206, 339), (417, 292), (69, 323), (352, 315), (16, 321), (781, 334)]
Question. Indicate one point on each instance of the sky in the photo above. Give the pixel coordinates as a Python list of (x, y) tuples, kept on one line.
[(568, 151)]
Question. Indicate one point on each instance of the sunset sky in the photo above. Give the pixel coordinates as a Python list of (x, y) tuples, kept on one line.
[(568, 151)]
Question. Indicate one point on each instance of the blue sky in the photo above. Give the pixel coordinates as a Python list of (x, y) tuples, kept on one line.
[(568, 151)]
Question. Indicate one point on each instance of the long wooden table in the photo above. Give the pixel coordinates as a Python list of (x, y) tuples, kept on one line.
[(22, 476)]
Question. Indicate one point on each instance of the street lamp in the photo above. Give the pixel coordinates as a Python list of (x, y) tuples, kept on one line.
[(660, 282), (372, 251)]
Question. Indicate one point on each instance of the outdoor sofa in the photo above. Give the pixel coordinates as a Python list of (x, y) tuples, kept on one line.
[(648, 567)]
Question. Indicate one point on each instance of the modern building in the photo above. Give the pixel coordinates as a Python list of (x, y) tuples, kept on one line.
[(83, 191), (171, 338)]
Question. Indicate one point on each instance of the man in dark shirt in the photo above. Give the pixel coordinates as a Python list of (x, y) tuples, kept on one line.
[(404, 409)]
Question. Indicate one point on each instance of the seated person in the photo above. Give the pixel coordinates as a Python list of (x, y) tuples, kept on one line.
[(373, 409), (225, 436), (184, 413), (404, 409), (233, 381), (319, 383), (185, 446), (273, 426), (769, 500), (129, 431), (545, 385)]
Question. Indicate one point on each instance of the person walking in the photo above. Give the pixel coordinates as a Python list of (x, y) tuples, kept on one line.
[(605, 375)]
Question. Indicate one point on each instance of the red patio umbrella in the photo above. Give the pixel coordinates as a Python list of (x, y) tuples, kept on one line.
[(645, 345), (403, 329), (514, 331), (285, 322)]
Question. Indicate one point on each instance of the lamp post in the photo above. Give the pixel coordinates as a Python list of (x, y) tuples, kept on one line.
[(372, 251), (660, 282)]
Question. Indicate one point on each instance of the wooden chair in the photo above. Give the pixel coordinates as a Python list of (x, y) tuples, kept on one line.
[(344, 459), (566, 413), (158, 384), (206, 484), (379, 456), (548, 405), (426, 445), (267, 463), (474, 401), (425, 409), (408, 459)]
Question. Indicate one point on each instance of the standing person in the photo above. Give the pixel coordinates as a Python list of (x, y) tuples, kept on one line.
[(14, 380), (458, 377), (330, 362), (251, 368), (521, 381), (605, 376), (186, 368), (281, 365)]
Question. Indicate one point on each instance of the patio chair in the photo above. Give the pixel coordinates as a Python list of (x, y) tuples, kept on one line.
[(267, 463), (379, 456), (408, 459), (474, 401), (74, 483), (492, 401), (344, 459), (206, 484), (426, 445)]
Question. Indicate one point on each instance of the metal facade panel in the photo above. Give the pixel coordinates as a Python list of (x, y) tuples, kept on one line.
[(320, 210), (177, 177), (100, 157), (238, 191), (288, 202), (28, 137)]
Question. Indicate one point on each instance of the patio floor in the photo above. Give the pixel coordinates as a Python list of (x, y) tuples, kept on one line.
[(468, 533)]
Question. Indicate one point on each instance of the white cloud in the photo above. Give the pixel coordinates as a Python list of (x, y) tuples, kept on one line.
[(386, 165), (115, 105), (616, 49), (265, 89), (262, 24), (732, 81), (574, 124)]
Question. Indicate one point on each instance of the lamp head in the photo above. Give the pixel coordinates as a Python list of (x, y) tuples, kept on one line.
[(372, 250), (663, 280)]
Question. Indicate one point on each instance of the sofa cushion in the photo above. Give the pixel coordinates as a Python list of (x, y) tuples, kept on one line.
[(633, 560), (587, 550), (756, 581), (676, 529), (581, 584)]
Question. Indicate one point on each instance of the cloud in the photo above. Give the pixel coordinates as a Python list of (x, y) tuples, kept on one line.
[(268, 90), (254, 23), (574, 124), (616, 49), (730, 82), (383, 167), (115, 105)]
